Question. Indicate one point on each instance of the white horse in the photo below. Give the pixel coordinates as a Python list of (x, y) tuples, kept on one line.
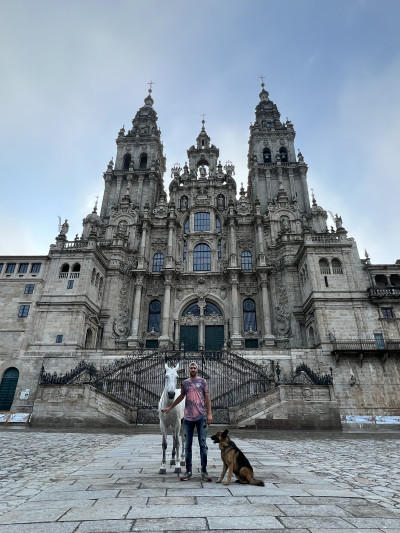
[(173, 419)]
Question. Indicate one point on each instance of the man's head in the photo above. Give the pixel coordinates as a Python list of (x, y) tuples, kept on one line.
[(192, 369)]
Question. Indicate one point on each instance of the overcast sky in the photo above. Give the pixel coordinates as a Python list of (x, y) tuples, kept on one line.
[(73, 72)]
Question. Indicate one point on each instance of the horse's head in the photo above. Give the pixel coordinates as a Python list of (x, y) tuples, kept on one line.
[(171, 378)]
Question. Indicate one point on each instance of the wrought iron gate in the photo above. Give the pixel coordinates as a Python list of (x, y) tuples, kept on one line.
[(138, 381)]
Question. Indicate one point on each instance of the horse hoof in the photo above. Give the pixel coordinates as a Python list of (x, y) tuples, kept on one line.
[(172, 463), (163, 471), (177, 470), (183, 463)]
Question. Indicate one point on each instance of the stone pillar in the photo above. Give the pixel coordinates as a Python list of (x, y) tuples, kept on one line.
[(133, 340), (164, 339), (106, 197), (268, 337), (202, 306), (236, 337), (140, 192)]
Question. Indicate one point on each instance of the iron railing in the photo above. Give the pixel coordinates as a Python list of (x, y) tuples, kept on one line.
[(366, 345)]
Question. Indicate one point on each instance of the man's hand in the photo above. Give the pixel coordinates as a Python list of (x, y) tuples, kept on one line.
[(166, 410), (209, 419)]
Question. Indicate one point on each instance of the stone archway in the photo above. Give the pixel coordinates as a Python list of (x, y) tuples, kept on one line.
[(7, 388)]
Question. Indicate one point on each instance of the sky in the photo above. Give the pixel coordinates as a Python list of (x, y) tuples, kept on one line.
[(74, 72)]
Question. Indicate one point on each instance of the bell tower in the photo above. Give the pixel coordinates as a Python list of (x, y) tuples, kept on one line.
[(137, 176), (272, 162)]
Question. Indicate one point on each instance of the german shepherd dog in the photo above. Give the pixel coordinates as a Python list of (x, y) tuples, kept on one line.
[(235, 461)]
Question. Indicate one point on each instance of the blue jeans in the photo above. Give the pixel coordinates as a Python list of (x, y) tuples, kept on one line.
[(201, 426)]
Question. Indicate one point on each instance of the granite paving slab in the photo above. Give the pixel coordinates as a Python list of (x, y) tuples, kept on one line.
[(264, 523)]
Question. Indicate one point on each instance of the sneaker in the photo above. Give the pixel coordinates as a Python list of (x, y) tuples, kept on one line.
[(186, 476), (205, 476)]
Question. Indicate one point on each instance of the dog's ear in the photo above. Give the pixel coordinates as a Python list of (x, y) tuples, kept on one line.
[(224, 433)]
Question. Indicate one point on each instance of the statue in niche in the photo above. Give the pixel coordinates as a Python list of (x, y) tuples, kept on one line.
[(221, 202), (122, 227), (203, 171), (64, 228), (285, 224), (184, 202)]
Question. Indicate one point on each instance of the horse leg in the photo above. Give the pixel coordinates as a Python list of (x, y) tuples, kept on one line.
[(183, 459), (163, 468), (175, 450)]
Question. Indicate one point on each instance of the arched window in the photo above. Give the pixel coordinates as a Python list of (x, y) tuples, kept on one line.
[(89, 339), (97, 279), (186, 226), (267, 155), (337, 266), (143, 162), (101, 283), (127, 161), (7, 388), (218, 225), (324, 266), (93, 275), (184, 250), (154, 316), (202, 222), (211, 309), (284, 155), (247, 261), (64, 271), (193, 309), (158, 262), (249, 315), (76, 267), (202, 257)]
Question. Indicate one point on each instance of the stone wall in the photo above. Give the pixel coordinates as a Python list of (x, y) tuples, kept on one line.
[(79, 406)]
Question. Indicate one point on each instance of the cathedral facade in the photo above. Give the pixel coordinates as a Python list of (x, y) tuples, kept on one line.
[(206, 268)]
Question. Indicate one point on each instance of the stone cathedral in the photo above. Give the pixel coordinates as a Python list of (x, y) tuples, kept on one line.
[(205, 268)]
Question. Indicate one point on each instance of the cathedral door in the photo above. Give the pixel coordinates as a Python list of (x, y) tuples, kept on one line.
[(190, 338), (7, 388), (214, 338)]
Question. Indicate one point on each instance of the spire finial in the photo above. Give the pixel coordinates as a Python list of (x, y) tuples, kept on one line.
[(150, 89), (203, 121), (95, 205), (313, 197), (262, 81)]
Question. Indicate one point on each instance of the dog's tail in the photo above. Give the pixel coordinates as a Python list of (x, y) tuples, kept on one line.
[(257, 482)]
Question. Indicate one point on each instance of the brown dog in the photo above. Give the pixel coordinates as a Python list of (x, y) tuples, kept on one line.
[(234, 461)]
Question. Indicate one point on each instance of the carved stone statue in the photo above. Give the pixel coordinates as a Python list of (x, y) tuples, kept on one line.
[(64, 228), (122, 226)]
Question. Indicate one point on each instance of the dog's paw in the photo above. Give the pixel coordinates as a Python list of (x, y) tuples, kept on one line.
[(218, 481), (227, 483)]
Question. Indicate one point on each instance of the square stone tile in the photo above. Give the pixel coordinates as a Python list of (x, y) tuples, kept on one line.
[(41, 527), (21, 516), (104, 526), (170, 524), (250, 522)]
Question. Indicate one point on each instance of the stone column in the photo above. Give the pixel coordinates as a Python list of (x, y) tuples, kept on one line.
[(202, 305), (140, 192), (106, 197), (268, 337), (236, 337), (164, 339), (133, 340)]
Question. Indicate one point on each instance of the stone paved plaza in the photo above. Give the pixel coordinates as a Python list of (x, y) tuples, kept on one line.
[(105, 482)]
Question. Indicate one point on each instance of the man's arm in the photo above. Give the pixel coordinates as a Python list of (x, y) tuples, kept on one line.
[(208, 407), (176, 401)]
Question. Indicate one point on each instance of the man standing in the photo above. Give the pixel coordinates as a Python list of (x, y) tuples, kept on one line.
[(197, 415)]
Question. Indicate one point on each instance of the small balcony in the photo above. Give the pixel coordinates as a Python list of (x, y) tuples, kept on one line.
[(381, 348), (386, 293)]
